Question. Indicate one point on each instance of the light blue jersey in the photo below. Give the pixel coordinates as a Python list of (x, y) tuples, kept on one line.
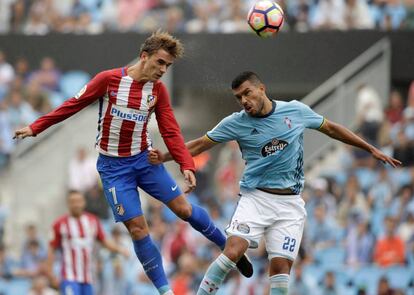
[(272, 146)]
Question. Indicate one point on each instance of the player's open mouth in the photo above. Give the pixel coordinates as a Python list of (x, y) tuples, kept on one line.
[(247, 109)]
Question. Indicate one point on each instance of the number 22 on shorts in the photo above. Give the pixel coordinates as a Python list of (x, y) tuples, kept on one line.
[(289, 244)]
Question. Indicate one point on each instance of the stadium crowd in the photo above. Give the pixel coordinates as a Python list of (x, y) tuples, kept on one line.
[(39, 17)]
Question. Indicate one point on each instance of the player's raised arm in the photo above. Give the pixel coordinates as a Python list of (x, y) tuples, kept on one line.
[(170, 132), (341, 133), (95, 89), (195, 146)]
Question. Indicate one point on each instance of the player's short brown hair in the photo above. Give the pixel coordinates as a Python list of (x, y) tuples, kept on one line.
[(162, 40)]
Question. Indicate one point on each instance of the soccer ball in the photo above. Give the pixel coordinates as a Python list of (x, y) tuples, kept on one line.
[(265, 18)]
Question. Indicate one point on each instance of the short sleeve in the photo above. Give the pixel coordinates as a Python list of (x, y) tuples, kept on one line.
[(310, 118), (100, 234), (225, 130), (55, 238)]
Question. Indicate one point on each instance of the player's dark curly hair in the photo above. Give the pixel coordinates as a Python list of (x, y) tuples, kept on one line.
[(162, 40), (245, 76)]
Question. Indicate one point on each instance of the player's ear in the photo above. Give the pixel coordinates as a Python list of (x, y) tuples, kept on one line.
[(262, 87), (144, 56)]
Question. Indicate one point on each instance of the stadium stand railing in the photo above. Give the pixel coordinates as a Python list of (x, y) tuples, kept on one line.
[(336, 98)]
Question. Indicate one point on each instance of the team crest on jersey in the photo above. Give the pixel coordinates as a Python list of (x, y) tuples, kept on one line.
[(288, 122), (151, 99), (273, 146), (120, 209), (81, 92)]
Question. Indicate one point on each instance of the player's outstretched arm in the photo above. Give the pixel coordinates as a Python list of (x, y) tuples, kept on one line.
[(24, 132), (341, 133), (196, 147), (111, 246), (54, 282)]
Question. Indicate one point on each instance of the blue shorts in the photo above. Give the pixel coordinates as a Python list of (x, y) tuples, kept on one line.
[(75, 288), (122, 175)]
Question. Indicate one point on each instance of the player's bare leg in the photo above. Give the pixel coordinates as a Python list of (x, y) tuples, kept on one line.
[(201, 221), (218, 270), (279, 271), (147, 253)]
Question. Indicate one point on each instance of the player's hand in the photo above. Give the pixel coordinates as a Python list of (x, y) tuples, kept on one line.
[(22, 133), (190, 181), (54, 282), (377, 154), (124, 252), (155, 157)]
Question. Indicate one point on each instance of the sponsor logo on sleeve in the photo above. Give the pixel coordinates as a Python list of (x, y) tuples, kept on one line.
[(81, 92), (273, 146)]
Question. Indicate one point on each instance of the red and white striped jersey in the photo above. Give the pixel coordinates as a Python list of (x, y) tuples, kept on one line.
[(75, 237), (125, 107)]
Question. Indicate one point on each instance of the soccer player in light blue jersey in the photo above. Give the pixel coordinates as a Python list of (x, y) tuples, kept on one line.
[(270, 136)]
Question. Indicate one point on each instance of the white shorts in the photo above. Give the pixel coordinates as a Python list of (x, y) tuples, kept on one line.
[(279, 218)]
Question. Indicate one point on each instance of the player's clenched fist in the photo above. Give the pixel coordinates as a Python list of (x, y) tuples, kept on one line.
[(24, 132), (155, 157)]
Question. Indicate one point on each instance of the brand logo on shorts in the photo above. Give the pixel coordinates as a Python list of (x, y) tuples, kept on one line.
[(243, 228), (272, 147), (120, 209)]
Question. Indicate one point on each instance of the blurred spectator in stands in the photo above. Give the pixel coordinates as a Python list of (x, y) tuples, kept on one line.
[(403, 147), (394, 110), (19, 111), (300, 19), (96, 202), (353, 202), (384, 287), (32, 260), (158, 229), (406, 228), (329, 15), (235, 21), (320, 195), (40, 287), (369, 112), (177, 241), (32, 235), (388, 14), (6, 264), (299, 286), (321, 232), (205, 18), (389, 249), (37, 98), (19, 12), (402, 204), (82, 171), (38, 17), (47, 75), (6, 135), (183, 281), (203, 171), (358, 15), (409, 19), (22, 68), (6, 75), (359, 244), (380, 194), (328, 285), (175, 21), (5, 14)]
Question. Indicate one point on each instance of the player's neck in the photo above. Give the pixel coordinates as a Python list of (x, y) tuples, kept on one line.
[(136, 72), (267, 107)]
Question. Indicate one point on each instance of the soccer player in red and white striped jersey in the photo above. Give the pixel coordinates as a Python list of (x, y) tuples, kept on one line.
[(74, 235), (128, 96)]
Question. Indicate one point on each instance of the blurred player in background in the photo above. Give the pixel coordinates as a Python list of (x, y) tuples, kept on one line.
[(270, 136), (74, 235), (127, 98)]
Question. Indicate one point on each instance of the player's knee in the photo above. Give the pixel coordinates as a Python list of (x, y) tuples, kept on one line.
[(279, 265), (138, 231), (184, 212)]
